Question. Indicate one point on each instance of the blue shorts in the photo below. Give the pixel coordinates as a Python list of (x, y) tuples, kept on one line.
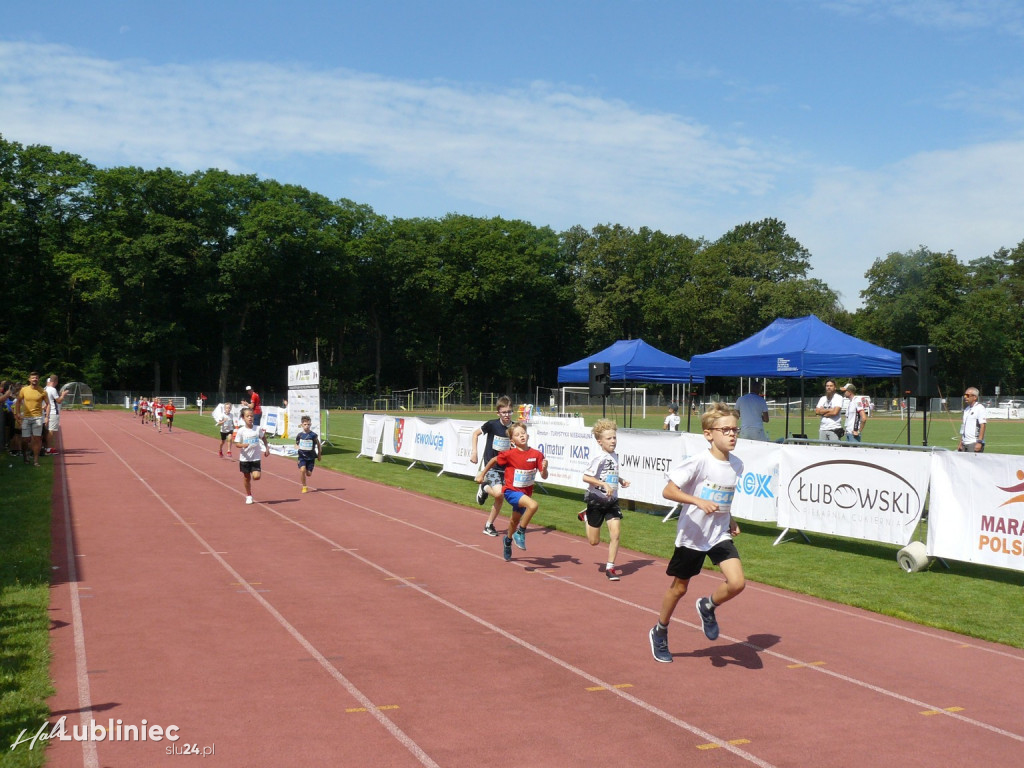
[(307, 464), (513, 497)]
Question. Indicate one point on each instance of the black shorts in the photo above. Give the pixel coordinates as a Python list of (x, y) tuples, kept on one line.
[(224, 436), (307, 463), (248, 467), (598, 513), (686, 563)]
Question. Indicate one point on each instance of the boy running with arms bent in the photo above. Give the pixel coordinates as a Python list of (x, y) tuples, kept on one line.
[(522, 464), (704, 484)]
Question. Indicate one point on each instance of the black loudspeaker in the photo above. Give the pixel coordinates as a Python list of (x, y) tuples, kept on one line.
[(600, 379), (917, 374)]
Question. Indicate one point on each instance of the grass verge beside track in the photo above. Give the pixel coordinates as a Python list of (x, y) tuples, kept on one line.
[(973, 600), (25, 507)]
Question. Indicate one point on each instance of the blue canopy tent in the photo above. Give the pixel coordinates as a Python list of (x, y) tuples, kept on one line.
[(799, 348), (631, 360)]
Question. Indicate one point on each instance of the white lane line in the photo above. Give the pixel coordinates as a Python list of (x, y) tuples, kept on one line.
[(791, 660), (357, 694), (702, 734), (90, 758)]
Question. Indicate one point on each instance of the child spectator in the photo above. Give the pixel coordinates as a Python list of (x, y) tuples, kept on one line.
[(497, 441), (309, 450), (705, 485), (248, 440), (672, 420), (602, 494), (521, 466)]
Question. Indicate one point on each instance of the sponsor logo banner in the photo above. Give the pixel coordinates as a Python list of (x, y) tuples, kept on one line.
[(867, 493), (976, 511)]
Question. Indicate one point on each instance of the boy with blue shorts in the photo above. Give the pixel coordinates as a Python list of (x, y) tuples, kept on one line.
[(705, 485), (309, 450), (497, 441), (522, 464)]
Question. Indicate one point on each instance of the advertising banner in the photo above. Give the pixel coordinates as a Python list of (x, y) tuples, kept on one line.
[(867, 493), (373, 428), (304, 397), (976, 513), (644, 459), (758, 486)]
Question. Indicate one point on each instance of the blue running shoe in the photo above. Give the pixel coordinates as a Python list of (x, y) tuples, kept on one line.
[(519, 537), (659, 646), (507, 548), (706, 611)]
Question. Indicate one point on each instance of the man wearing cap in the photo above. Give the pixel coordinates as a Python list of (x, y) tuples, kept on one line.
[(254, 403), (856, 413), (829, 406)]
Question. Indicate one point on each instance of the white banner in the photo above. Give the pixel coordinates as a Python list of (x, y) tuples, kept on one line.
[(567, 448), (416, 439), (645, 456), (272, 420), (976, 512), (304, 397), (862, 493), (373, 428), (758, 486), (459, 447)]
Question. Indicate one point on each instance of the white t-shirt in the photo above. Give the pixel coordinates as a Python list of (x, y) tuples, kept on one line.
[(974, 417), (705, 477), (251, 441), (52, 395), (854, 409), (831, 422), (671, 423), (605, 467), (751, 407)]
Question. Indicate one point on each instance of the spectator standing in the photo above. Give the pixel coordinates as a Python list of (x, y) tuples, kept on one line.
[(972, 430), (254, 403), (672, 420), (856, 413), (55, 399), (829, 407), (33, 409), (753, 410)]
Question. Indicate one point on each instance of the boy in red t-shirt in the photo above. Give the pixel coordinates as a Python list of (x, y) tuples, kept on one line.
[(169, 410), (522, 464)]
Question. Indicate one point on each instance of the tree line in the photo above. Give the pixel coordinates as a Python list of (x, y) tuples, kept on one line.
[(132, 278)]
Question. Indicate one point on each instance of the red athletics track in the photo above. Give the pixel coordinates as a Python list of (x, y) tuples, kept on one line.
[(362, 625)]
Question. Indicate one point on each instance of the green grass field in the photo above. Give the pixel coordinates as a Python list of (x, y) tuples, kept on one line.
[(974, 600)]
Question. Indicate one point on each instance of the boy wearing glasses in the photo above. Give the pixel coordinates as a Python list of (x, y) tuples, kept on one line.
[(497, 441), (704, 484)]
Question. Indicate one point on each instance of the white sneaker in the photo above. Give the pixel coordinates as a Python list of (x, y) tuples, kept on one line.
[(248, 500)]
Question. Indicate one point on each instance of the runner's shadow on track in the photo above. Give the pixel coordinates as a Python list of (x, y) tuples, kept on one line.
[(272, 502), (628, 568), (545, 563), (743, 654), (325, 490), (93, 708)]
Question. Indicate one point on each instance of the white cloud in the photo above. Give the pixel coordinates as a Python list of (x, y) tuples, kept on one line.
[(533, 148)]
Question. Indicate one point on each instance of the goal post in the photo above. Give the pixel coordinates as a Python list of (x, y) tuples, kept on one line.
[(579, 398)]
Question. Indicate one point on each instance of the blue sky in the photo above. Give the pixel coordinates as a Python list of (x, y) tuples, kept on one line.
[(868, 126)]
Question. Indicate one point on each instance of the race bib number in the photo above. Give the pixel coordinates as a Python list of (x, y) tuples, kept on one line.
[(721, 495), (501, 443), (252, 440), (305, 444), (523, 478), (612, 478)]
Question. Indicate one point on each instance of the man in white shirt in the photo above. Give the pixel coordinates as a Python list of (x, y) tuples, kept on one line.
[(829, 407), (54, 420), (972, 431), (672, 420), (753, 413), (856, 413)]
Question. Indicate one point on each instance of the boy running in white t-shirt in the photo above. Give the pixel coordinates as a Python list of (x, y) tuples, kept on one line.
[(248, 440), (602, 494), (705, 485)]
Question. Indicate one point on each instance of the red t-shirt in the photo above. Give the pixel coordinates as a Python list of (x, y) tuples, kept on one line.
[(521, 468), (255, 400), (169, 410)]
